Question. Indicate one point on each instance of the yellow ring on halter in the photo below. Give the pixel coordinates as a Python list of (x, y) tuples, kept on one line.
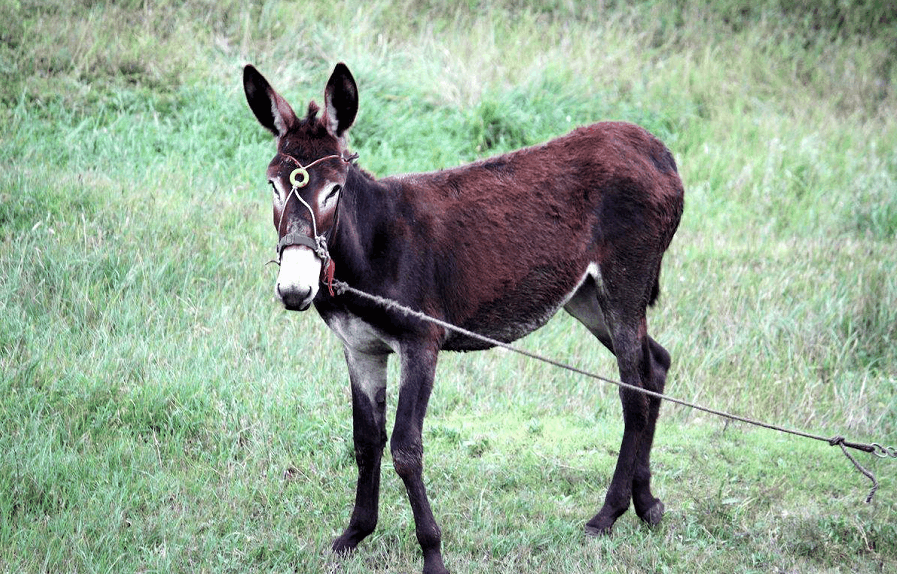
[(299, 177)]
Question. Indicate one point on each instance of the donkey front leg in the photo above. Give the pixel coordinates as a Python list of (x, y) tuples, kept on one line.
[(367, 374), (418, 371)]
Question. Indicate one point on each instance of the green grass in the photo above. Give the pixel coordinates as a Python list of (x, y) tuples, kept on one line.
[(158, 412)]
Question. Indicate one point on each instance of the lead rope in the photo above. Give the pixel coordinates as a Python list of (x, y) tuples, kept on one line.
[(874, 448)]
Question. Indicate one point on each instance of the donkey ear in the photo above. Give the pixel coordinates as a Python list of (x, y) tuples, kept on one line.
[(271, 110), (340, 101)]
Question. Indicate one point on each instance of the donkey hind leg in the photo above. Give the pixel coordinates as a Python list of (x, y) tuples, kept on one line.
[(647, 506), (642, 363), (367, 374), (418, 370)]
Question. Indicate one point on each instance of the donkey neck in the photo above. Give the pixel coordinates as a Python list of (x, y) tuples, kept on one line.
[(365, 208)]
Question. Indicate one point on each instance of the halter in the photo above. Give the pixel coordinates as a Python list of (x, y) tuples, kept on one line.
[(317, 243)]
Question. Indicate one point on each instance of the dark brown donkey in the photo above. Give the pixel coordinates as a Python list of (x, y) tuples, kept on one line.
[(497, 247)]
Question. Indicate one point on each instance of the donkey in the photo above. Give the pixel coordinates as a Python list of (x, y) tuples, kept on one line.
[(496, 247)]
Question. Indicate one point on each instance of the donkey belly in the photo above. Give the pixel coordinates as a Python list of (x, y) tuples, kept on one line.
[(510, 328), (515, 314)]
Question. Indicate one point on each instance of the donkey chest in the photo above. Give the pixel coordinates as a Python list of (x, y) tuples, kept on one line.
[(359, 334)]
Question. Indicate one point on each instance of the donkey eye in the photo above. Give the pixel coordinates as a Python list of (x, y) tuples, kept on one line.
[(336, 189), (274, 188)]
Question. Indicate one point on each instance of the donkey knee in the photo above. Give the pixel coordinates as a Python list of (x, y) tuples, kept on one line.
[(407, 458), (368, 456)]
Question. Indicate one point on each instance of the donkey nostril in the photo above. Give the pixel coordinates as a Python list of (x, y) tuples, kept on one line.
[(294, 299)]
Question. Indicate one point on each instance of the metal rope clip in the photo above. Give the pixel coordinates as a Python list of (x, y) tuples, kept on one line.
[(884, 451)]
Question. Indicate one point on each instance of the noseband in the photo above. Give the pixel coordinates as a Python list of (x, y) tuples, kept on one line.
[(317, 243)]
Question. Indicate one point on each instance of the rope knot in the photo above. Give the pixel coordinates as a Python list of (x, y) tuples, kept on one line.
[(338, 287)]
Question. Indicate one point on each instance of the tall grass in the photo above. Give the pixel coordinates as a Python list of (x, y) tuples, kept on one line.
[(159, 412)]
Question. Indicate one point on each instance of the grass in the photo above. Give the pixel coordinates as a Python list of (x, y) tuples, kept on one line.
[(159, 413)]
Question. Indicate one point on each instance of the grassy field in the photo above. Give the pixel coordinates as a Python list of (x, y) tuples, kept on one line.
[(158, 412)]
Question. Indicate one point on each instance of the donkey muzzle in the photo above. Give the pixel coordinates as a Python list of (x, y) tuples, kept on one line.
[(299, 277)]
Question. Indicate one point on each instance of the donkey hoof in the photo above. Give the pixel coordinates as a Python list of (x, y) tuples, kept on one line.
[(596, 532), (343, 546), (653, 515), (433, 564), (598, 528)]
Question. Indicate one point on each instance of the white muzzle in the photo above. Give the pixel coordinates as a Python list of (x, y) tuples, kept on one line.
[(298, 278)]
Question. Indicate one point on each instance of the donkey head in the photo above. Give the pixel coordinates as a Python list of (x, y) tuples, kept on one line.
[(307, 175)]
